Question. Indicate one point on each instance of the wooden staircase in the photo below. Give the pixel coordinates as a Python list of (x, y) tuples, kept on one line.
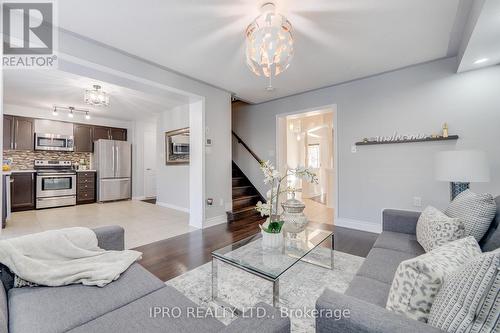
[(245, 197)]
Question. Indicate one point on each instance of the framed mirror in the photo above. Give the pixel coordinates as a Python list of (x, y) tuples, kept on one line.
[(177, 146)]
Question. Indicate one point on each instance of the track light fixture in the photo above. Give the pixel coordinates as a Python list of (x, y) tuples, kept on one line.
[(71, 111)]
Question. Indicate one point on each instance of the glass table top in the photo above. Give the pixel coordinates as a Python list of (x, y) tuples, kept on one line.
[(249, 254)]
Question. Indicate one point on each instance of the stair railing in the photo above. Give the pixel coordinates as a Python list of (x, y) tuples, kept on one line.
[(254, 155)]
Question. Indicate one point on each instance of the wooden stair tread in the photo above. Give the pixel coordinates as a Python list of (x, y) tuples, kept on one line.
[(244, 209), (245, 197), (241, 187)]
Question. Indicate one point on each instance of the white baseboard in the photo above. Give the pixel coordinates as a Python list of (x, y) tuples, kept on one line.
[(358, 225), (215, 220), (166, 205), (139, 198)]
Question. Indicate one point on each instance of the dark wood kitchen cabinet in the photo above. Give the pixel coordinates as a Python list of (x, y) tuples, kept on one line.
[(85, 189), (24, 131), (118, 134), (18, 133), (83, 138), (22, 191), (101, 133), (8, 132), (111, 133)]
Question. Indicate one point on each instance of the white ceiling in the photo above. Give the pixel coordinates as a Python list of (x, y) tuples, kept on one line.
[(484, 42), (335, 40), (42, 89)]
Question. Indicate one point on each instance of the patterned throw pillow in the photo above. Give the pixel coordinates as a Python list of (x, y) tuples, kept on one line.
[(469, 300), (477, 211), (434, 229), (417, 280)]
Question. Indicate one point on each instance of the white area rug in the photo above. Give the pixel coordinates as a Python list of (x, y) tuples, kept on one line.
[(300, 286)]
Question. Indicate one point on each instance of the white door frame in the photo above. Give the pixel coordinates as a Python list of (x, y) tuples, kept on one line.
[(144, 148), (280, 149)]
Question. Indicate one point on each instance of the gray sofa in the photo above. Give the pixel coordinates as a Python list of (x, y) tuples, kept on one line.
[(121, 306), (367, 294)]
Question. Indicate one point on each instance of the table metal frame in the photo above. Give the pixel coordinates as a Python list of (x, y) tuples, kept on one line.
[(274, 281)]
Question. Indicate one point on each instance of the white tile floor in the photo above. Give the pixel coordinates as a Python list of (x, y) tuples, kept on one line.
[(143, 222)]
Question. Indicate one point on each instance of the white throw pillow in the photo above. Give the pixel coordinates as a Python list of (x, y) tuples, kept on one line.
[(418, 280), (434, 229), (477, 211), (469, 300)]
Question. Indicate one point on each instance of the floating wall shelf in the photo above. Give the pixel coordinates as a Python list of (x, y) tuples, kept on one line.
[(367, 143)]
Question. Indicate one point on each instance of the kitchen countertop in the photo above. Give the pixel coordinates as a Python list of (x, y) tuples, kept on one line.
[(17, 171), (32, 171)]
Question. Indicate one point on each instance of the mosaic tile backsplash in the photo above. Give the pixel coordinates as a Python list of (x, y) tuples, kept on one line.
[(23, 160)]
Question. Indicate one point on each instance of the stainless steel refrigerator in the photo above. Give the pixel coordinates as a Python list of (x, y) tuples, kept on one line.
[(113, 162)]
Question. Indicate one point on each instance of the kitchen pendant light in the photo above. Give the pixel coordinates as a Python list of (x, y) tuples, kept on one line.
[(96, 96), (269, 44)]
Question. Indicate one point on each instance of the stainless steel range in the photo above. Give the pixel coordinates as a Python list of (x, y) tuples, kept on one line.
[(55, 184)]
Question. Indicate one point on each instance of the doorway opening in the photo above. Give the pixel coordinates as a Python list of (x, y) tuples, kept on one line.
[(307, 139)]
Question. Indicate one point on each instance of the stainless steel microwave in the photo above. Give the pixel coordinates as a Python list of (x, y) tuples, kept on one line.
[(180, 148), (44, 141)]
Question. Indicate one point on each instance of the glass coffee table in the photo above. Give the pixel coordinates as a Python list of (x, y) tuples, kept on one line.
[(249, 256)]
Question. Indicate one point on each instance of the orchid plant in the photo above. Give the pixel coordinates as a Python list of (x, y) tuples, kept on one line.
[(275, 179)]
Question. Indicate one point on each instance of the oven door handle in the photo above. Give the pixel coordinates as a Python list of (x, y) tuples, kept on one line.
[(57, 175)]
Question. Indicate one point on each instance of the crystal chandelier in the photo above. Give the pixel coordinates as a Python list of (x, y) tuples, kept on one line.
[(269, 40), (96, 96)]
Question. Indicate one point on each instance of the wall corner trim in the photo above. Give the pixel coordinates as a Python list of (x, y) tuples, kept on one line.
[(167, 205), (358, 225)]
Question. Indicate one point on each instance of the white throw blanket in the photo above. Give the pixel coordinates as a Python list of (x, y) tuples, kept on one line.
[(62, 257)]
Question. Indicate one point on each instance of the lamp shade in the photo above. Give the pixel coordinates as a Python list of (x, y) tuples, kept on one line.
[(463, 166)]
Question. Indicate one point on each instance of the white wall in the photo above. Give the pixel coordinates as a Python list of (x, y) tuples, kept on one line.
[(85, 57), (173, 180), (418, 99), (137, 140)]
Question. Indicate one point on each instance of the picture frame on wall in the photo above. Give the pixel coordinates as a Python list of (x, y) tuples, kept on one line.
[(177, 147)]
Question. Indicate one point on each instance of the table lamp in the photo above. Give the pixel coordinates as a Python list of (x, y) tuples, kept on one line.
[(461, 167)]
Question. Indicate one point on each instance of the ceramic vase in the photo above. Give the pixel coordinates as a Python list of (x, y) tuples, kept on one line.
[(272, 240)]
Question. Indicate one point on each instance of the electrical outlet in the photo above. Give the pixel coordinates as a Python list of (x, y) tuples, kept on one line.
[(354, 149), (417, 201), (221, 202)]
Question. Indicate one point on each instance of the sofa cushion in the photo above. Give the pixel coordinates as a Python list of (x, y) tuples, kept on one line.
[(477, 211), (57, 309), (381, 264), (417, 281), (141, 316), (369, 290), (491, 241), (399, 242), (4, 311), (435, 228), (469, 299)]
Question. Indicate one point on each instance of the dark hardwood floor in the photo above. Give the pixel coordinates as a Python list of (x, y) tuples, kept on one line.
[(174, 256)]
